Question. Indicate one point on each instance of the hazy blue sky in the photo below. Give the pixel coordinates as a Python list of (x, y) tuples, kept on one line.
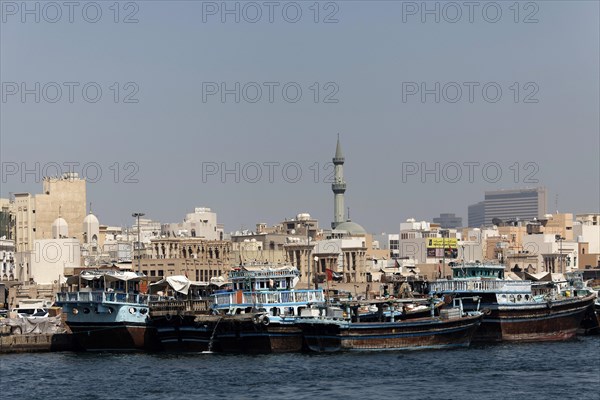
[(371, 61)]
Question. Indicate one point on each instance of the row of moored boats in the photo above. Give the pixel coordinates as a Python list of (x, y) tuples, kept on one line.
[(261, 310)]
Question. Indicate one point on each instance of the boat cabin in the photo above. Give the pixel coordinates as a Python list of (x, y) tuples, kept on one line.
[(483, 279), (251, 279), (477, 271), (265, 288)]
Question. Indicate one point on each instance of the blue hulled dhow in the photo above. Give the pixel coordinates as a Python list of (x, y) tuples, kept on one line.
[(105, 311), (258, 315)]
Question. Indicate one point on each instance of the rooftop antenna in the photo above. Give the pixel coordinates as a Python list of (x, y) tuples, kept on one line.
[(90, 207), (556, 203), (348, 208)]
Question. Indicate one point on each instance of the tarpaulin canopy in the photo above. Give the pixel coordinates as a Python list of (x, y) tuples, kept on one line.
[(178, 283), (540, 276), (38, 325), (109, 276), (513, 277), (218, 281)]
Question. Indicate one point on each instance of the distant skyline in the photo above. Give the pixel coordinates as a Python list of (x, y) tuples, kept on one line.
[(172, 116)]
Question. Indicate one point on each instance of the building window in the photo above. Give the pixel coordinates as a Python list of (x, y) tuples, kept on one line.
[(161, 272), (153, 273)]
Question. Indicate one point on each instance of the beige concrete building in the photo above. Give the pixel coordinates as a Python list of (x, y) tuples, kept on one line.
[(301, 255), (525, 261), (251, 250), (559, 224), (284, 243), (351, 256), (587, 260), (346, 256), (513, 237), (63, 197), (279, 235), (197, 258), (23, 208), (57, 213)]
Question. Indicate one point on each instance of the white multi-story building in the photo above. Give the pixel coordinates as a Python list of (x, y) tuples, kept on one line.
[(394, 245), (587, 229), (52, 257), (202, 223), (554, 255), (7, 260)]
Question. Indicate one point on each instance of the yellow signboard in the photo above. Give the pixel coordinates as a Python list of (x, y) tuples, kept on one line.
[(441, 243)]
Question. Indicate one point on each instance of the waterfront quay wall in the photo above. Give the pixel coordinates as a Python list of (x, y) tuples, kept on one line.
[(37, 343)]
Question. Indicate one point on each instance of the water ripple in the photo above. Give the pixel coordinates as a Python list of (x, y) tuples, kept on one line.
[(566, 370)]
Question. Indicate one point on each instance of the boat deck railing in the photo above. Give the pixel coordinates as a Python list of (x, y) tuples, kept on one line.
[(262, 274), (225, 300), (484, 286), (101, 297)]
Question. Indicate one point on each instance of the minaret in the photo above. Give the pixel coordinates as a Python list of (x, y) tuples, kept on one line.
[(339, 186)]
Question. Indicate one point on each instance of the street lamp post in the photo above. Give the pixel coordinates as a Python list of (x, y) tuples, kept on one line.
[(138, 215)]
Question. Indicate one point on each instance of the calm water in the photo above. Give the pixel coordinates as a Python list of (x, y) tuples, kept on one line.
[(565, 370)]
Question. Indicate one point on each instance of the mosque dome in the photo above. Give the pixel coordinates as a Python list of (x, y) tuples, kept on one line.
[(91, 228), (352, 228), (91, 219), (60, 228)]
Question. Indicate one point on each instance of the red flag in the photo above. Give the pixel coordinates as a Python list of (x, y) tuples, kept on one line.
[(329, 274)]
